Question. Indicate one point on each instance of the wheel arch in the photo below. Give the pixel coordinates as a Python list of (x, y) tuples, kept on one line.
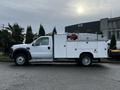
[(22, 51), (86, 53)]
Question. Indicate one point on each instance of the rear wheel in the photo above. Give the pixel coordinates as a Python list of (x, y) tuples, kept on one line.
[(20, 60), (86, 60)]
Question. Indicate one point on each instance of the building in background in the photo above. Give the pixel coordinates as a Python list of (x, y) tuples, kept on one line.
[(110, 26), (89, 27), (106, 26)]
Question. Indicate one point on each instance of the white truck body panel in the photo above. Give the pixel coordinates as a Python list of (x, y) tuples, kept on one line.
[(64, 48), (90, 36), (102, 49), (60, 46), (71, 52), (97, 48)]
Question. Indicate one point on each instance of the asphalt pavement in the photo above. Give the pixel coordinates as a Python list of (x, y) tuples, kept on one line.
[(101, 76)]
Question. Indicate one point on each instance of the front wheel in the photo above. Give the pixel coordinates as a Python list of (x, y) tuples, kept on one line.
[(86, 60), (20, 60)]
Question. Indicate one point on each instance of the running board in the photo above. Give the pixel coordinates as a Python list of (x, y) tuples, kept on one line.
[(41, 60)]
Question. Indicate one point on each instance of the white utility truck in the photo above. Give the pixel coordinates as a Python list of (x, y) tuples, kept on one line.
[(61, 46)]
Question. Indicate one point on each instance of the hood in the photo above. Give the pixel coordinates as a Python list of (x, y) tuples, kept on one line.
[(20, 46)]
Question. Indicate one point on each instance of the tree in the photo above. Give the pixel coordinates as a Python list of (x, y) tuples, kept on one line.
[(29, 35), (0, 38), (35, 36), (5, 40), (16, 31), (113, 42), (41, 31), (54, 31)]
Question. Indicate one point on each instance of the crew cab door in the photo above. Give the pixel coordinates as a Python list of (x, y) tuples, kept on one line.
[(41, 48)]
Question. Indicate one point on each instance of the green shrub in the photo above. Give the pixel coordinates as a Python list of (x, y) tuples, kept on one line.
[(113, 42)]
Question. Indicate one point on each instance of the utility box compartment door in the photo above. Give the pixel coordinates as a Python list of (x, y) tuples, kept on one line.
[(102, 49), (71, 49), (60, 46)]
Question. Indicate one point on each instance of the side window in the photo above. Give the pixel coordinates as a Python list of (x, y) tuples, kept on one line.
[(42, 41)]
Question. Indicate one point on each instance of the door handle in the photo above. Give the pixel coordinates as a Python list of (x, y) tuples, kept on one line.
[(49, 48)]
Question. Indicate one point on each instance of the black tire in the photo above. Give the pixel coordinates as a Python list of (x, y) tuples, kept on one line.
[(78, 61), (86, 60), (20, 60)]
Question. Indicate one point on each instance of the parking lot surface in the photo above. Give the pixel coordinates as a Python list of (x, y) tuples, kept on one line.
[(102, 76)]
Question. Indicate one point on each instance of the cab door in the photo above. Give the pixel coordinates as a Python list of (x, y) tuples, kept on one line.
[(42, 48)]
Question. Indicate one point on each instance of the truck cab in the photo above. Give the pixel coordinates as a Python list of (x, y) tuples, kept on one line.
[(40, 49)]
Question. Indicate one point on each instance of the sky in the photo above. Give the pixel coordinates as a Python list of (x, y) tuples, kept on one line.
[(55, 13)]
